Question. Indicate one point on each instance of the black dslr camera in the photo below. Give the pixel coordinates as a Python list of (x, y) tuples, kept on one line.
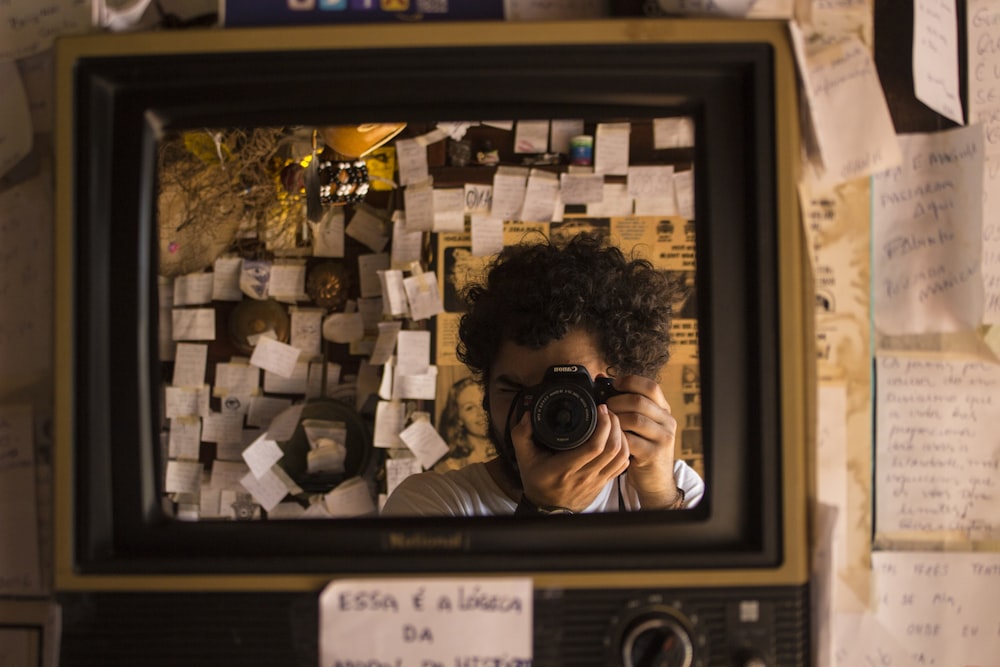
[(563, 407)]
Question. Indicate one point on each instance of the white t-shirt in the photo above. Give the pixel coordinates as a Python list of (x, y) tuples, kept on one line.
[(471, 491)]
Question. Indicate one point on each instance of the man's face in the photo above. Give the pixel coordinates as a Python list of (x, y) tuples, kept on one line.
[(517, 367)]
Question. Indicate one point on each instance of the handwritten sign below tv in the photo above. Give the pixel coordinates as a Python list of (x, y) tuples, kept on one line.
[(424, 622)]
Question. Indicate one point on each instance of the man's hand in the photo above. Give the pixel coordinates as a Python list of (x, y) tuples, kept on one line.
[(650, 431), (573, 478)]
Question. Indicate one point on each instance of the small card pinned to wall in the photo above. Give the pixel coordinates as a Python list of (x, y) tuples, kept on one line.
[(427, 621)]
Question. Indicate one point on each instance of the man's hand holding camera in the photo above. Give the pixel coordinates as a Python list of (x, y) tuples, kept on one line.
[(575, 435), (650, 430), (572, 478)]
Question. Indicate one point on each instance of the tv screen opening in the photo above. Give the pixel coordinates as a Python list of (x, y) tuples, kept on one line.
[(267, 239)]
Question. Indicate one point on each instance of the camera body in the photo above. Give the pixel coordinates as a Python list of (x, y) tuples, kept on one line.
[(563, 407)]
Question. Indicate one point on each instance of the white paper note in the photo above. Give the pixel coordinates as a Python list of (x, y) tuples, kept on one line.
[(275, 356), (411, 156), (184, 441), (20, 567), (935, 57), (15, 117), (350, 498), (418, 200), (261, 455), (983, 69), (582, 188), (540, 196), (190, 361), (926, 246), (849, 113), (449, 209), (478, 198), (193, 323), (942, 607), (611, 148), (531, 136), (937, 447), (26, 280), (424, 441), (328, 234), (509, 185), (28, 27), (427, 621)]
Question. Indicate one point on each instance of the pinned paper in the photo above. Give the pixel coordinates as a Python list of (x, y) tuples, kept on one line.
[(412, 157), (850, 117), (531, 136), (20, 571), (611, 148), (424, 441), (344, 327), (926, 246), (193, 289), (407, 244), (423, 295), (15, 118), (389, 419), (328, 234), (193, 323), (270, 488), (509, 184), (935, 57), (261, 455), (540, 196), (426, 621), (449, 209), (190, 361), (369, 229), (478, 198), (28, 27), (673, 133), (419, 204), (350, 498), (936, 456), (275, 356)]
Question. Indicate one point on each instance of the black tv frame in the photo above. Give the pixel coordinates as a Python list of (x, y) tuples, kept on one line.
[(117, 94)]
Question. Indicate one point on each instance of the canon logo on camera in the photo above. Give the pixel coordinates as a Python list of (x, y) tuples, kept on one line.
[(564, 369)]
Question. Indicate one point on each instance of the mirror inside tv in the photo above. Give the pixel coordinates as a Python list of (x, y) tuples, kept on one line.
[(310, 287)]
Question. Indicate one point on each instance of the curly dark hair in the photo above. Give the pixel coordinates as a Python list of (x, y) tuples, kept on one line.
[(535, 293)]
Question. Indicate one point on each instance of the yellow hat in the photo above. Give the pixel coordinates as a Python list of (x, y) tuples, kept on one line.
[(356, 141)]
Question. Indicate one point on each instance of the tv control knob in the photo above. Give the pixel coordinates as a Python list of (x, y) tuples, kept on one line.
[(659, 639)]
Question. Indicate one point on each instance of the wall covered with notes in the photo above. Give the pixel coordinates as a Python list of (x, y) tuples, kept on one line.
[(899, 193), (308, 349)]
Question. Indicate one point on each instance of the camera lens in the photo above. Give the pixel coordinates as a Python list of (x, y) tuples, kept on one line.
[(563, 417)]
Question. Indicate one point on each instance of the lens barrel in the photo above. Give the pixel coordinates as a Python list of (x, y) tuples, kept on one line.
[(563, 416)]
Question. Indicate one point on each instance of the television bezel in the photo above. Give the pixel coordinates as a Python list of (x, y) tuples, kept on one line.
[(117, 93)]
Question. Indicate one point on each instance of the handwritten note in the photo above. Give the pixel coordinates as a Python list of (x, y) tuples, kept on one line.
[(28, 27), (850, 117), (935, 57), (927, 219), (427, 622), (20, 572), (25, 280), (983, 68), (991, 241), (940, 606), (937, 447), (15, 118)]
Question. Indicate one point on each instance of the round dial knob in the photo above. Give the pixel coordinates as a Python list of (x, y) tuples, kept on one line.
[(659, 639)]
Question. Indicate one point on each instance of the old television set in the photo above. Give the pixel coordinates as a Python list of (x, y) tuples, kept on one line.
[(728, 576)]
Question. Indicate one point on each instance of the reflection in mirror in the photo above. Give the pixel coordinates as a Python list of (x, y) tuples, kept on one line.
[(311, 286)]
